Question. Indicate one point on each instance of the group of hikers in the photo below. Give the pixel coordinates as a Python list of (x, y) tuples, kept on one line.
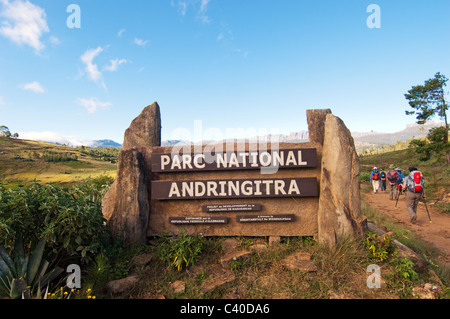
[(412, 185)]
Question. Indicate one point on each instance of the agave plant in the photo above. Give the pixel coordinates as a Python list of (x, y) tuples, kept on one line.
[(18, 272)]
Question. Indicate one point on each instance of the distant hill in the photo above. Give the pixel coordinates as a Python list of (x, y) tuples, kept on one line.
[(106, 143), (362, 139), (411, 131)]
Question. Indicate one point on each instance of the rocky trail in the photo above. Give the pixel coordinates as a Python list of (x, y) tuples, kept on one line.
[(437, 232)]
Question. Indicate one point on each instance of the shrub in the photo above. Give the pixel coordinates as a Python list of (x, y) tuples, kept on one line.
[(181, 250), (70, 220), (379, 248), (364, 177)]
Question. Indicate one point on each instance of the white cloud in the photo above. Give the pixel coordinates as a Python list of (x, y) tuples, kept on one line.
[(93, 104), (53, 137), (200, 6), (204, 5), (140, 42), (54, 40), (182, 7), (25, 23), (202, 12), (35, 87), (121, 31), (92, 69), (115, 64), (244, 53)]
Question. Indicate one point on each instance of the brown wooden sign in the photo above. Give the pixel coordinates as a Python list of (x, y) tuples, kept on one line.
[(235, 188), (234, 160), (231, 208), (265, 218)]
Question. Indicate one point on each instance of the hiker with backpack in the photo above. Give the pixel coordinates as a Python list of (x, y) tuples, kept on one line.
[(375, 179), (383, 175), (400, 179), (392, 178), (414, 186)]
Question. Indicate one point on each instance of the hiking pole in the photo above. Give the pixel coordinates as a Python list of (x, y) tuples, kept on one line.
[(427, 209)]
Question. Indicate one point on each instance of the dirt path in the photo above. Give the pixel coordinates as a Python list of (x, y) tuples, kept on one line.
[(436, 233)]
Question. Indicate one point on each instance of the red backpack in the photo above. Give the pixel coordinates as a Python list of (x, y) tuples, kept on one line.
[(418, 182), (376, 176), (392, 176)]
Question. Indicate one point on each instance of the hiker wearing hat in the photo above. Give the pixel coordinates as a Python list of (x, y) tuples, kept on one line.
[(375, 178), (392, 177), (414, 186)]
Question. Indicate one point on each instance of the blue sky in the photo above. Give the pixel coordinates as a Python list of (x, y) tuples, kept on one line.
[(249, 65)]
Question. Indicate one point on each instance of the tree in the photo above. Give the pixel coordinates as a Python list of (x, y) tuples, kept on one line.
[(435, 143), (428, 100), (4, 131)]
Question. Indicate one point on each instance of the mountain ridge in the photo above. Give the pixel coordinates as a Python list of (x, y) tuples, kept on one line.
[(373, 139)]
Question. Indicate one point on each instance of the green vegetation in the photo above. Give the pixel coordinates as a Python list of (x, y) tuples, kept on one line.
[(59, 157), (25, 276), (67, 222), (22, 162), (107, 154), (70, 219), (435, 144), (181, 250), (427, 101), (5, 132)]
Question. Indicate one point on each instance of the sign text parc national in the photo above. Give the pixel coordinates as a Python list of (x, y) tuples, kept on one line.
[(234, 160)]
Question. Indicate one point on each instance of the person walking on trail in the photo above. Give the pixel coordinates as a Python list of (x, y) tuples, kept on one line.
[(392, 178), (383, 175), (414, 186), (400, 179), (375, 179)]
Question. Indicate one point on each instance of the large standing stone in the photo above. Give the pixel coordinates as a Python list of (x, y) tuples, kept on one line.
[(145, 130), (126, 205), (316, 124), (339, 213)]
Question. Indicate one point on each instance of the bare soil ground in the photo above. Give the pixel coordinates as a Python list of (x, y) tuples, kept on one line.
[(437, 232)]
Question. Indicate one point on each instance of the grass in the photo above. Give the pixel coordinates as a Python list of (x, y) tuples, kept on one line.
[(403, 235), (18, 172), (341, 273)]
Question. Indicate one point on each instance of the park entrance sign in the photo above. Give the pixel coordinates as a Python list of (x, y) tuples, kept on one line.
[(204, 191), (236, 189)]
